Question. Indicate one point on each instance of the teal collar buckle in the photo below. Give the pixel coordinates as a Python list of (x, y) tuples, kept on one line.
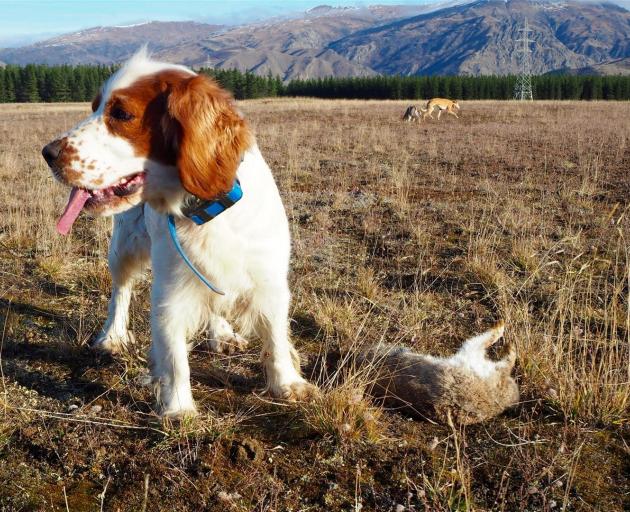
[(200, 211)]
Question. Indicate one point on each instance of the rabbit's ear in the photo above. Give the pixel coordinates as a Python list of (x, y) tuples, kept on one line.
[(507, 363), (497, 331)]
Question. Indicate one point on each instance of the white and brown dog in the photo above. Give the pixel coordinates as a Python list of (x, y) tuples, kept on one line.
[(161, 138)]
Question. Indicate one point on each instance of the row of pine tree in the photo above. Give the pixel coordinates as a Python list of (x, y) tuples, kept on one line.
[(40, 83), (546, 87)]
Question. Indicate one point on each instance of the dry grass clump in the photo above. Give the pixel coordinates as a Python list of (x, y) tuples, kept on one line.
[(343, 411), (582, 364), (345, 414)]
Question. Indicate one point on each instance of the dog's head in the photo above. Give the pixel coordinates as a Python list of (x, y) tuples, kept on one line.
[(157, 132)]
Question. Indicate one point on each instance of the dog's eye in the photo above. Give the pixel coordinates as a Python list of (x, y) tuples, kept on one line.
[(120, 114)]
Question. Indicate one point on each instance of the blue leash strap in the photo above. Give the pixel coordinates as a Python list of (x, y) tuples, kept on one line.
[(172, 229)]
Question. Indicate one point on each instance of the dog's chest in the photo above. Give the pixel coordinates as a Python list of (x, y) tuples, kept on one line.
[(218, 251)]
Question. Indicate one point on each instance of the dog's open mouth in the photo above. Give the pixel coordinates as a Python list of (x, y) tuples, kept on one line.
[(83, 198)]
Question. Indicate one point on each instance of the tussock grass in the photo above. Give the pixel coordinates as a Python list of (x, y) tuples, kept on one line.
[(345, 414)]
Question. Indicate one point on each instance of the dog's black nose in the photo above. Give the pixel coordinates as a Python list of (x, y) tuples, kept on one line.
[(51, 151)]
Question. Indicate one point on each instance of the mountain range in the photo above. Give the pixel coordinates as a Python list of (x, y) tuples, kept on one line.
[(471, 38)]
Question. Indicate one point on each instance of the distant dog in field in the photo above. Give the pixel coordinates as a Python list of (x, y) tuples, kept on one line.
[(467, 386), (441, 105), (411, 114)]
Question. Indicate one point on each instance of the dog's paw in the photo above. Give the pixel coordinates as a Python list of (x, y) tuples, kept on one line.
[(228, 344), (113, 343), (298, 391), (173, 402), (178, 413)]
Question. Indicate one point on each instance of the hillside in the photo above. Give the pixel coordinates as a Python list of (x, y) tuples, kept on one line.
[(613, 67), (451, 38), (289, 47), (107, 45), (480, 38)]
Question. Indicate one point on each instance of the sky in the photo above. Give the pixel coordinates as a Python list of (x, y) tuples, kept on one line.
[(26, 21)]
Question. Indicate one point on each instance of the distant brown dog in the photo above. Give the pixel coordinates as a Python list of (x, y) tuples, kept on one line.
[(467, 386), (441, 105)]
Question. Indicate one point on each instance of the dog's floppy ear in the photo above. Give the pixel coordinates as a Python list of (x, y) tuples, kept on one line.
[(96, 102), (210, 136)]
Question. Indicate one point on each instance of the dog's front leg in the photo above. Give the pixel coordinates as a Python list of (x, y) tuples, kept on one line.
[(128, 257), (280, 359), (172, 319)]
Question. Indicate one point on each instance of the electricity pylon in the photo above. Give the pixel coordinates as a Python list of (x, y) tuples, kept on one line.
[(523, 88)]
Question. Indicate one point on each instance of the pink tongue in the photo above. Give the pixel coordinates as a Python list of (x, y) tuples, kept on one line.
[(77, 199)]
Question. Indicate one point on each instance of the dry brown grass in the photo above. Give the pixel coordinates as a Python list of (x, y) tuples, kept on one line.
[(410, 234)]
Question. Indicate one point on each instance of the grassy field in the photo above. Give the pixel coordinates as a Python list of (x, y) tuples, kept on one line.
[(414, 234)]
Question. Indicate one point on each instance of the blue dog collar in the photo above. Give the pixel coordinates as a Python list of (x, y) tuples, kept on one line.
[(201, 212)]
